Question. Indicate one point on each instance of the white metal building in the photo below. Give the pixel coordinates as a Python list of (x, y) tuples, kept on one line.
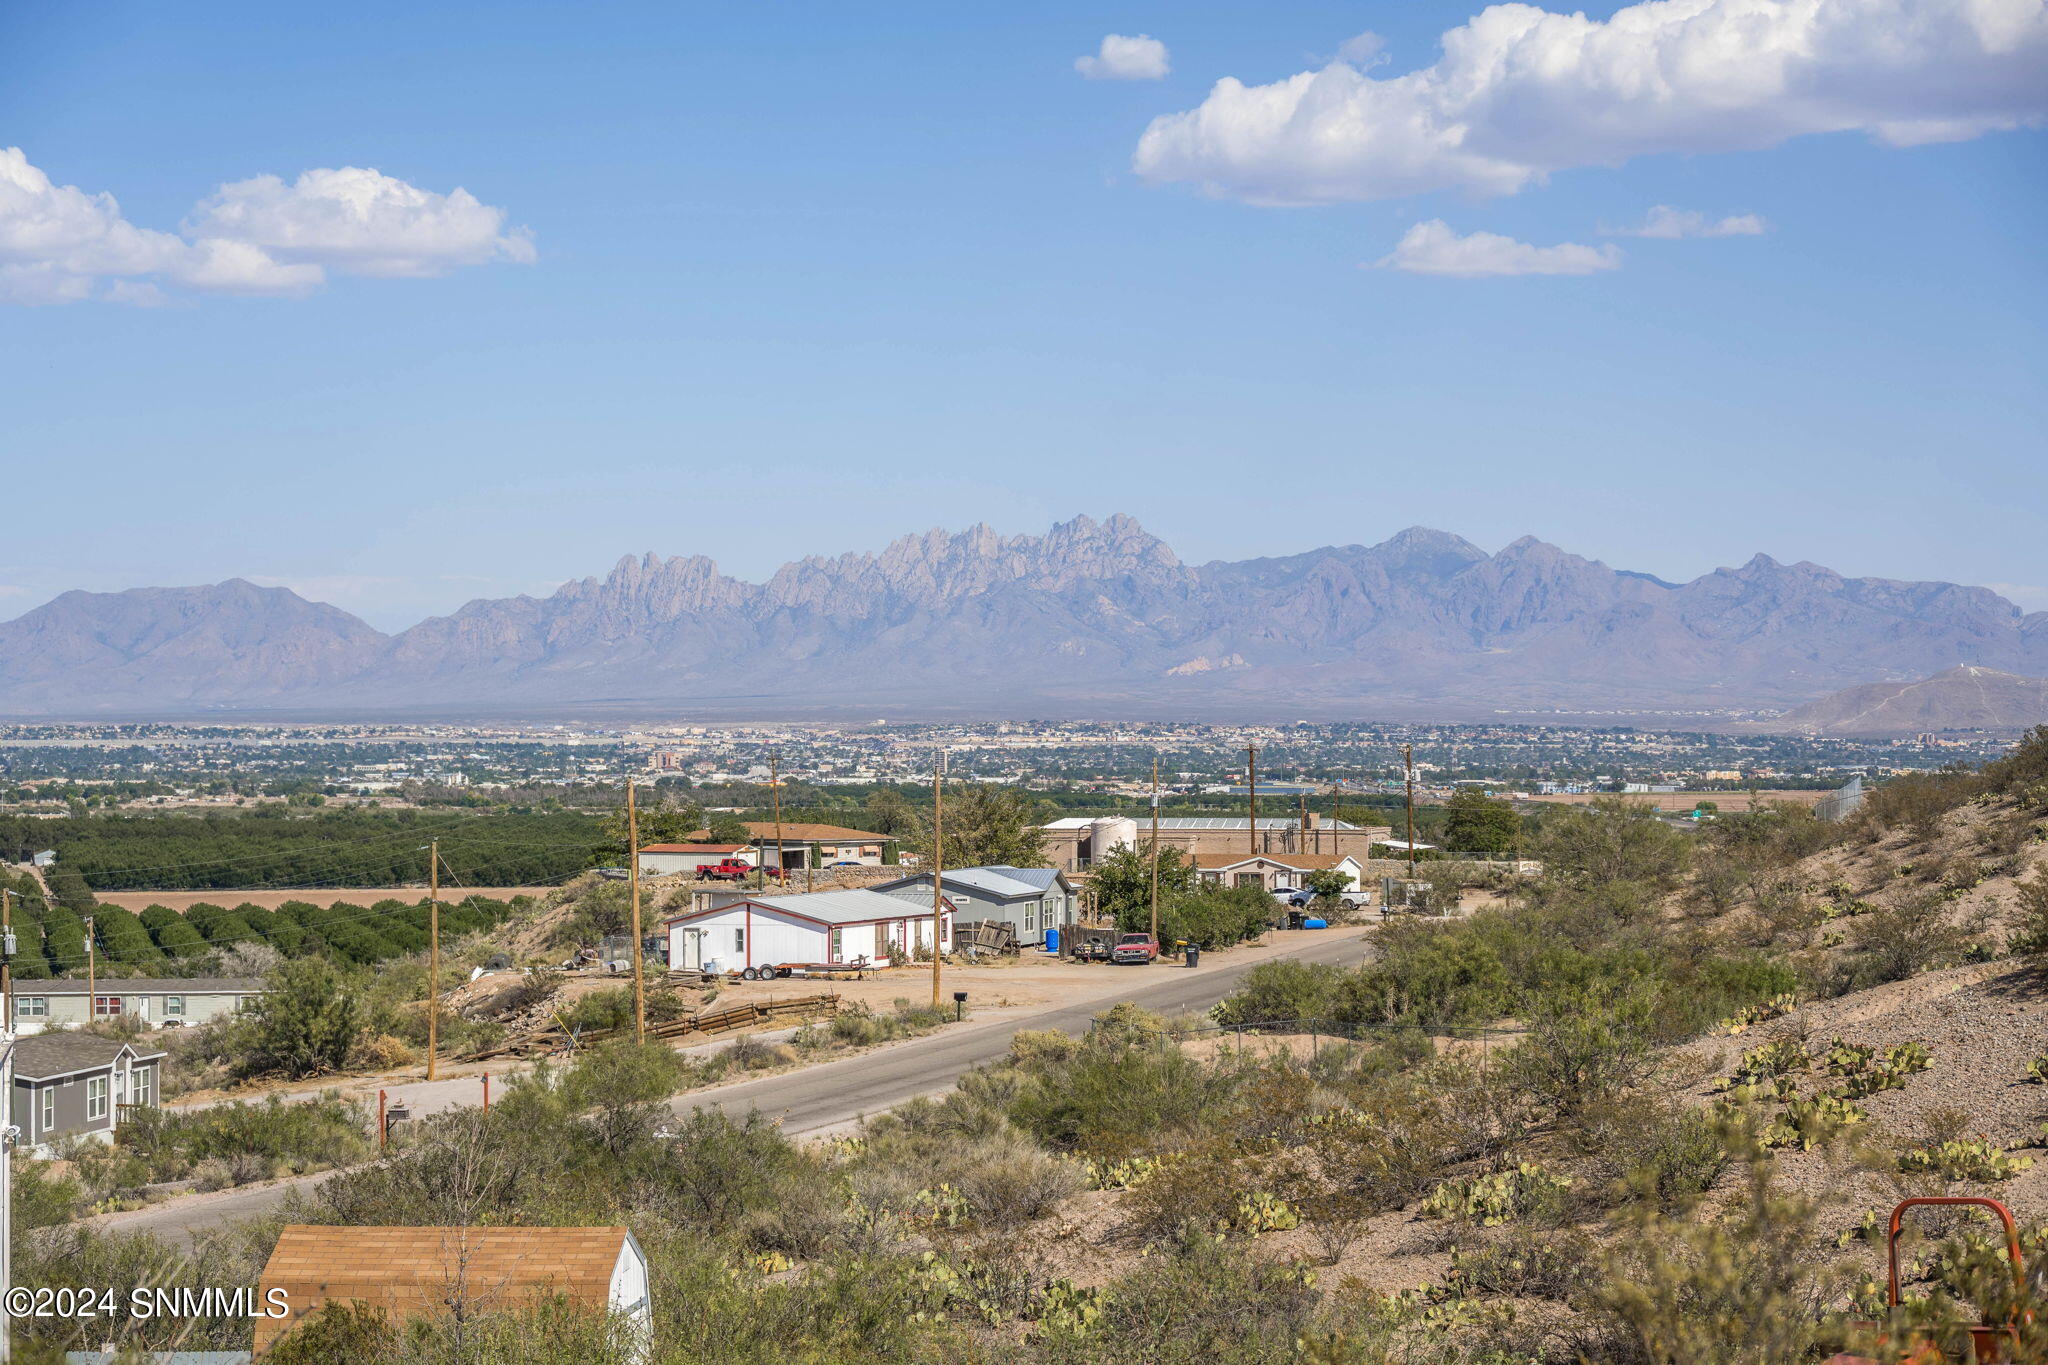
[(660, 860), (825, 926)]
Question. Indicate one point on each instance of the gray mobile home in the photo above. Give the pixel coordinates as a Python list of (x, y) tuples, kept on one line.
[(79, 1084), (1030, 900)]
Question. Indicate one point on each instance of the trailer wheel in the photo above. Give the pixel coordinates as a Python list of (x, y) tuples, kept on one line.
[(782, 971), (749, 974)]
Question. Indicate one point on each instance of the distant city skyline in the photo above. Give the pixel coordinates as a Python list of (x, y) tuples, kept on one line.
[(402, 307)]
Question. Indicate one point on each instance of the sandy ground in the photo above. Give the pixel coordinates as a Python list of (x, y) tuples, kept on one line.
[(182, 901)]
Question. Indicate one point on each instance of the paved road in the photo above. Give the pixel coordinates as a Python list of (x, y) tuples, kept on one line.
[(838, 1094), (831, 1095)]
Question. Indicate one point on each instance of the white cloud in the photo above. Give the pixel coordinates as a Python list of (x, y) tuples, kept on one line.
[(1364, 50), (1520, 92), (61, 244), (1667, 222), (361, 222), (1432, 248), (1141, 58)]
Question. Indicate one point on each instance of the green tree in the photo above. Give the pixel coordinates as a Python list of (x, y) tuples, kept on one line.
[(888, 811), (988, 825), (1476, 823), (1327, 883), (1122, 881), (726, 828), (663, 819), (1611, 840), (305, 1023)]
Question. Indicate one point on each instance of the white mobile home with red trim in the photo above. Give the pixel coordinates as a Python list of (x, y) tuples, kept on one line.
[(825, 926)]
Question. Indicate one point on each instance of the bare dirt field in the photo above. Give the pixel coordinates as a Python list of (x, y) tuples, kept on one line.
[(182, 901)]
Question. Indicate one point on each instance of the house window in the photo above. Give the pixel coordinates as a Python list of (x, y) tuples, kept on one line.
[(106, 1006), (739, 940), (1030, 917), (49, 1108), (95, 1098), (174, 1007), (145, 1082), (33, 1006), (837, 939), (1248, 879)]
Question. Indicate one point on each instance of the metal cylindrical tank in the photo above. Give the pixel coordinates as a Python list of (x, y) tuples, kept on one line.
[(1110, 832)]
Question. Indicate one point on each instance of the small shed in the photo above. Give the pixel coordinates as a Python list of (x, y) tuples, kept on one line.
[(823, 926), (424, 1272)]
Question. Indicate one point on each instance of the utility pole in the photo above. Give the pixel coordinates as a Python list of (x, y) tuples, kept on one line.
[(938, 862), (6, 985), (1155, 849), (1408, 765), (1251, 782), (775, 795), (8, 1136), (633, 875), (92, 999), (433, 955), (1304, 822)]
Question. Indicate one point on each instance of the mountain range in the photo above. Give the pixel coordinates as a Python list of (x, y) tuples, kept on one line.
[(1966, 697), (1091, 618)]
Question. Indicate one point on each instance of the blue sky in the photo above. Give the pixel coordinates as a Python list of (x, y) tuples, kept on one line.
[(762, 281)]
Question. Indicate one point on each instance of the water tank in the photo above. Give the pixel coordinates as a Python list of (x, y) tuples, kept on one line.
[(1052, 941), (1110, 832)]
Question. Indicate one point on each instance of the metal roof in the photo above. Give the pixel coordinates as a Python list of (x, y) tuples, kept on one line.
[(146, 985), (1197, 822), (1044, 878), (833, 907)]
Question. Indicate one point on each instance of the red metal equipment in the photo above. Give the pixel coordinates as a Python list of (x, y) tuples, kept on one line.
[(1990, 1343)]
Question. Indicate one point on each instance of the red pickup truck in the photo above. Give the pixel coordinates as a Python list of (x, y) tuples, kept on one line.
[(1135, 949), (733, 870)]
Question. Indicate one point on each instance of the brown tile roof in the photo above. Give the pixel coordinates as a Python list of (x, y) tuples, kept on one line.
[(695, 848), (794, 832), (416, 1271)]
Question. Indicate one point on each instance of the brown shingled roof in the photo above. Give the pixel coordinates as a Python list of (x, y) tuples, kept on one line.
[(413, 1272)]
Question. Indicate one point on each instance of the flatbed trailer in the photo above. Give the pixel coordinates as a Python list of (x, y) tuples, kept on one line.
[(769, 971)]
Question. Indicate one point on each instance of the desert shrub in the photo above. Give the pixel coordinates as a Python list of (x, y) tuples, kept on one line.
[(1610, 840), (1585, 1045), (1115, 1099), (1737, 1289), (1283, 990), (1204, 1303), (1522, 1262), (380, 1052), (305, 1135), (307, 1022), (1645, 1147), (1918, 802), (1428, 975), (1904, 937)]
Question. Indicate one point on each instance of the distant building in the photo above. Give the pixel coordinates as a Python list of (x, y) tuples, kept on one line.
[(834, 844), (1269, 871), (78, 1085), (432, 1272), (1075, 843), (155, 1000)]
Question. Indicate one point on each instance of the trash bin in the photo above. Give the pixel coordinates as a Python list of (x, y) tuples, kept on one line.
[(1194, 954)]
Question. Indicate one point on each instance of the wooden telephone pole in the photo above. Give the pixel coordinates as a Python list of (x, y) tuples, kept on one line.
[(775, 795), (633, 876), (7, 960), (938, 863), (92, 1000), (1155, 850), (1251, 783), (1408, 765), (433, 957)]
